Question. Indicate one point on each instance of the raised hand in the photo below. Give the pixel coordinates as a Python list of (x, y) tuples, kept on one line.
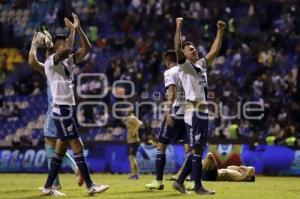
[(221, 25), (179, 21), (76, 22), (69, 24)]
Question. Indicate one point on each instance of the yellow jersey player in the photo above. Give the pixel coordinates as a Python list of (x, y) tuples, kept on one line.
[(133, 125)]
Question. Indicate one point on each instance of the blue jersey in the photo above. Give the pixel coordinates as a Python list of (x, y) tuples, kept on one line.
[(49, 126)]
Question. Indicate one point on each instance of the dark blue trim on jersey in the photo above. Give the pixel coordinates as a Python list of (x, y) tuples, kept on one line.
[(205, 92)]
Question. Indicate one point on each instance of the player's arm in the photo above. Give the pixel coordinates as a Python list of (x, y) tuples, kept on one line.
[(86, 46), (33, 61), (138, 123), (63, 53), (71, 29), (177, 41), (216, 46), (171, 95)]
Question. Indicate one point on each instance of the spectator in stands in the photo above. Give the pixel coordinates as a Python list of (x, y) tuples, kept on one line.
[(127, 38)]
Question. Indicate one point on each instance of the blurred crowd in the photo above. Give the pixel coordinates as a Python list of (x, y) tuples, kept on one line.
[(259, 60)]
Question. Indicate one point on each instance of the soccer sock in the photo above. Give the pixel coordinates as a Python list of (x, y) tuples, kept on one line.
[(54, 169), (69, 161), (83, 168), (50, 150), (160, 163), (197, 170), (186, 168)]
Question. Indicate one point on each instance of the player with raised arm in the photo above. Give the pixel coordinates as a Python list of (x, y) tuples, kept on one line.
[(50, 132), (193, 75), (173, 126), (59, 72)]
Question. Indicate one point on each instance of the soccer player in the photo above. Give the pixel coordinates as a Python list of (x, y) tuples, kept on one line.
[(133, 142), (229, 174), (50, 131), (173, 126), (192, 73), (59, 72)]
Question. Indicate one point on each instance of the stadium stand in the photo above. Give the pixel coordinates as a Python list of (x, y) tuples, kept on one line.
[(261, 64)]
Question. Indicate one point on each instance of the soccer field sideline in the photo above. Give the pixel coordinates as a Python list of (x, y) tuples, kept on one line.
[(24, 186)]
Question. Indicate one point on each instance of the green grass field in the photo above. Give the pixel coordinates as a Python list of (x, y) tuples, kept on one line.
[(24, 186)]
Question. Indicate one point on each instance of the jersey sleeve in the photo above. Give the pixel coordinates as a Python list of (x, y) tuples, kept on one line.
[(169, 79), (50, 62)]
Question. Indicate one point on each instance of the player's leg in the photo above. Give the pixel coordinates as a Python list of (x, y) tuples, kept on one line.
[(209, 171), (199, 139), (69, 161), (77, 148), (160, 162), (50, 151), (132, 150), (50, 134), (187, 149), (160, 159), (186, 169), (66, 130), (60, 150)]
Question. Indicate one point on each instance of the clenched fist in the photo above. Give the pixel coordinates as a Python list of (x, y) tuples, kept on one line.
[(221, 25), (179, 21)]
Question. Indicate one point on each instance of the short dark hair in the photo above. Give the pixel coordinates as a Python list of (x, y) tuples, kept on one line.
[(59, 37), (170, 55), (187, 43)]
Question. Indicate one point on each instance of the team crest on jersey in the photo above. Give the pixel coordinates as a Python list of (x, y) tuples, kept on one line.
[(197, 137), (70, 128)]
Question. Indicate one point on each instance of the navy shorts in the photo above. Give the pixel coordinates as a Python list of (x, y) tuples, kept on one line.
[(64, 117), (132, 148), (173, 134), (197, 128)]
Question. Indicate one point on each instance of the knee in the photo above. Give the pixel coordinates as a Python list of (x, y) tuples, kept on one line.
[(61, 148), (77, 146)]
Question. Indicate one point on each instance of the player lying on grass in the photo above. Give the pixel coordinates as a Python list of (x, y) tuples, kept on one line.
[(173, 127), (59, 72), (44, 39), (193, 76), (229, 174)]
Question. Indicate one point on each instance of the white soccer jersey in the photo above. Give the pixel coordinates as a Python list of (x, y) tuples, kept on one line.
[(194, 80), (61, 80), (171, 77)]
